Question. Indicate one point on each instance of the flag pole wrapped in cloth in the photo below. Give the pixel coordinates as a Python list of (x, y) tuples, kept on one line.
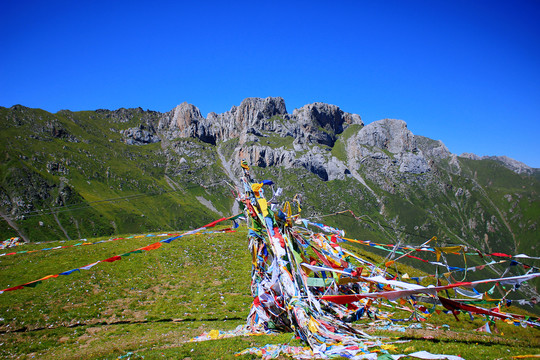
[(282, 297)]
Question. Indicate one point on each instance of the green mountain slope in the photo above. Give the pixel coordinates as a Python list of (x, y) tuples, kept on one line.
[(73, 175), (70, 175)]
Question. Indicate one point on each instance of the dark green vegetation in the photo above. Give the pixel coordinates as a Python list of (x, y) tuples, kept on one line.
[(151, 304)]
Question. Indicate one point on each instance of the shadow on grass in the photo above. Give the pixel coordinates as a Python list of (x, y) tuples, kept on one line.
[(120, 322), (474, 341)]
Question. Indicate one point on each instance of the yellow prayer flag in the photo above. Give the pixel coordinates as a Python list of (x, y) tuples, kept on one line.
[(264, 206), (256, 188), (313, 325)]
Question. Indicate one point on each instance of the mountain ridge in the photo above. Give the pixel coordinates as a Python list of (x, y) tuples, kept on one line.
[(383, 163), (512, 164)]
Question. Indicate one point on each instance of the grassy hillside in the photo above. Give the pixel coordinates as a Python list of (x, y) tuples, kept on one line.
[(148, 305), (58, 169), (515, 195)]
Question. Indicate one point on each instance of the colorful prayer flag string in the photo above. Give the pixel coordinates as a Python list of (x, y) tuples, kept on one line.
[(150, 247)]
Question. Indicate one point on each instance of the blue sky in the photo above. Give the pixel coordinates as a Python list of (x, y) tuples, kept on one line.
[(464, 72)]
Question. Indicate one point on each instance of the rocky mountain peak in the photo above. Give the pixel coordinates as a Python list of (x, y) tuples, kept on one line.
[(251, 116), (387, 144), (186, 120), (321, 122), (329, 117), (388, 134), (253, 110), (184, 115), (317, 123)]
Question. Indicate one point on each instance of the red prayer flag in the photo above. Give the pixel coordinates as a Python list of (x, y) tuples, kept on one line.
[(112, 259), (214, 223), (500, 255), (14, 288)]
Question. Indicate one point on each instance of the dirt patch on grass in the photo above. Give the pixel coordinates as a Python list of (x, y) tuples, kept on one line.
[(94, 330), (73, 306)]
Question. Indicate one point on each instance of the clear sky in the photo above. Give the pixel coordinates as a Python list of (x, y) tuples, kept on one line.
[(464, 72)]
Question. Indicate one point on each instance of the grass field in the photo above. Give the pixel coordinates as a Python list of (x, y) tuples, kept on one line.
[(148, 305)]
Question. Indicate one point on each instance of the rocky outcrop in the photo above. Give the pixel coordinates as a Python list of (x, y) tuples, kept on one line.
[(184, 121), (387, 134), (253, 116), (316, 123), (325, 166), (321, 123), (123, 115), (413, 163), (266, 156), (433, 149), (140, 136), (320, 163), (387, 143), (470, 156), (57, 130), (514, 165)]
